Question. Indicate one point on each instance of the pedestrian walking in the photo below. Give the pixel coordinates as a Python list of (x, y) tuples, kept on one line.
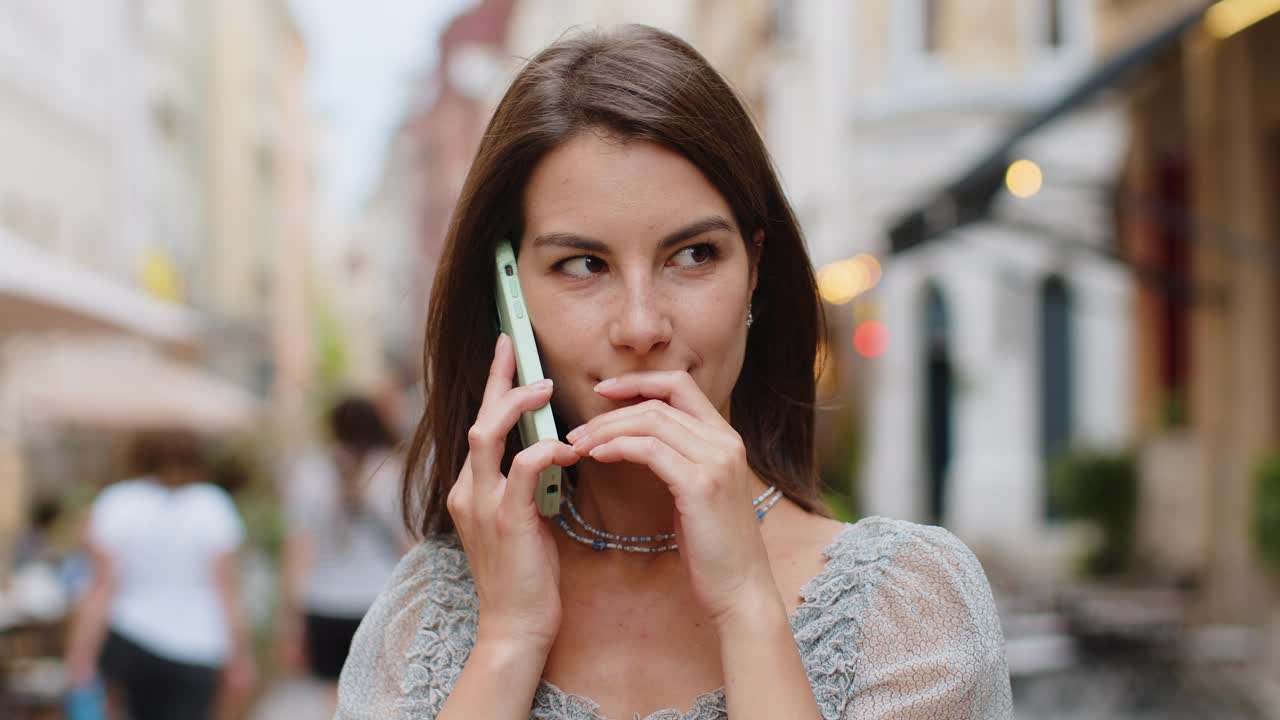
[(160, 620), (345, 536)]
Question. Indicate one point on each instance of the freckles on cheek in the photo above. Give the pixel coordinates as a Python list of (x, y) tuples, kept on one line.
[(561, 345)]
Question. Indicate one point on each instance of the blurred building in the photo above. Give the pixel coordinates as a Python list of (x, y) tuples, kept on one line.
[(293, 236), (1200, 223), (85, 260), (383, 309), (153, 205), (258, 185), (1010, 336), (1194, 227)]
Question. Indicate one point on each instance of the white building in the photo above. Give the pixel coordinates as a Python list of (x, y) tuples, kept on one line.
[(101, 217), (1009, 337)]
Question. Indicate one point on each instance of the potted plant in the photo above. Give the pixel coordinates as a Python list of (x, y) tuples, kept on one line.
[(1099, 488)]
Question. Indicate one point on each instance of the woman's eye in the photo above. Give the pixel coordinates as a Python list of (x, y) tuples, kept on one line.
[(583, 266), (695, 255)]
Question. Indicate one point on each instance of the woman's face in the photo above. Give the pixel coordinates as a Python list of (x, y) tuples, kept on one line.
[(631, 261)]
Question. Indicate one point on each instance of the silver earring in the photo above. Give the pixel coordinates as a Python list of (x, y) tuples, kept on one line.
[(750, 318)]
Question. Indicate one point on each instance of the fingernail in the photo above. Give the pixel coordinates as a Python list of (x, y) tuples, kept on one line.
[(574, 433), (501, 337), (605, 384), (543, 384)]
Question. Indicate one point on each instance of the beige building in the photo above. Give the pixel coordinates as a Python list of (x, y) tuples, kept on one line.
[(1200, 219), (258, 191), (293, 231)]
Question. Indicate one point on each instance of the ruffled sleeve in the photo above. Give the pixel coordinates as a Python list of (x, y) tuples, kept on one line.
[(413, 641), (929, 643)]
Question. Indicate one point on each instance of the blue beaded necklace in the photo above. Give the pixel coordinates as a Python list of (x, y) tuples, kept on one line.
[(636, 543)]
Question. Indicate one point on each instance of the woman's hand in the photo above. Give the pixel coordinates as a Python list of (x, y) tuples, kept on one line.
[(512, 554), (681, 436)]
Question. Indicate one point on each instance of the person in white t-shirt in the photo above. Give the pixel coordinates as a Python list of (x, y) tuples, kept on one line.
[(160, 619), (344, 540)]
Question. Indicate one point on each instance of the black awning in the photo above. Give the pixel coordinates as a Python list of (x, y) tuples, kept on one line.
[(969, 198)]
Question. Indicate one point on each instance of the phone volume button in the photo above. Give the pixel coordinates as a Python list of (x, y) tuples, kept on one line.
[(514, 286), (519, 306)]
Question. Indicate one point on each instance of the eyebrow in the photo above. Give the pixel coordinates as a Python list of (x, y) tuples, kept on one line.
[(581, 242)]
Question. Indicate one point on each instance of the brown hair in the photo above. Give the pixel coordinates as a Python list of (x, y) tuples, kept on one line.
[(641, 83), (156, 451)]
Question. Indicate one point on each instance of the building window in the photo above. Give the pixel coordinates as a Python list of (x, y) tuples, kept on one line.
[(783, 21), (1054, 32), (13, 215), (165, 118), (938, 402), (932, 27), (1056, 378), (1173, 197)]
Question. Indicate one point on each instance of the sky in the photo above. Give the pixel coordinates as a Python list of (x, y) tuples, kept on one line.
[(362, 57)]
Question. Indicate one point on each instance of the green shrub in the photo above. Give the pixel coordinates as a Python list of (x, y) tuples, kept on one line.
[(843, 507), (1266, 511), (1100, 488)]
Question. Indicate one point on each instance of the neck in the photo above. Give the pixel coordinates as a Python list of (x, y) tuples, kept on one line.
[(623, 498), (630, 499)]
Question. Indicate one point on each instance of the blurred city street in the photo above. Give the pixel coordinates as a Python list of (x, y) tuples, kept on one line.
[(1046, 234)]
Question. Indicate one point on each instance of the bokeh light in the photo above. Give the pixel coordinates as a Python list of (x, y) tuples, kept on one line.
[(1024, 178), (842, 281), (1229, 17), (871, 339)]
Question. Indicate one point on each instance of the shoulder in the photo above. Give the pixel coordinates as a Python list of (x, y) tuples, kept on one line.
[(120, 493), (208, 493), (881, 550), (213, 516), (211, 502), (883, 566), (413, 641), (904, 617), (114, 509)]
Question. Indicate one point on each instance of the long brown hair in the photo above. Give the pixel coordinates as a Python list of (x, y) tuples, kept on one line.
[(635, 82)]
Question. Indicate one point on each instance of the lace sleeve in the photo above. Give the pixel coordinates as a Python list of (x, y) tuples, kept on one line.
[(932, 647), (371, 683)]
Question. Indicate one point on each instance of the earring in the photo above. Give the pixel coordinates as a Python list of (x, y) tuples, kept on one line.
[(750, 318)]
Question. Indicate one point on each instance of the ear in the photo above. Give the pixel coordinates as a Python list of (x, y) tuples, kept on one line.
[(757, 249)]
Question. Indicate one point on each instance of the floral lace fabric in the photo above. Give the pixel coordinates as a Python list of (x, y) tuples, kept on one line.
[(899, 624)]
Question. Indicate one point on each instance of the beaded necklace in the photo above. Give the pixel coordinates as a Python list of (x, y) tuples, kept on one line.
[(636, 543)]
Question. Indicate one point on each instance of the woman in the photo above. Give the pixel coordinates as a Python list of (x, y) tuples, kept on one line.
[(161, 615), (345, 537), (678, 320)]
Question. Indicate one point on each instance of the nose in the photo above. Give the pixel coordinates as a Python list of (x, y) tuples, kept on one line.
[(642, 324)]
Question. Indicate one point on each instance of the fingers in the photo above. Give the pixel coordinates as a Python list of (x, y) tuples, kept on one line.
[(499, 413), (501, 371), (670, 466), (676, 387), (522, 478), (654, 418)]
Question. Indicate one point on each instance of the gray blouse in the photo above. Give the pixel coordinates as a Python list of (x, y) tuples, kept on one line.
[(900, 623)]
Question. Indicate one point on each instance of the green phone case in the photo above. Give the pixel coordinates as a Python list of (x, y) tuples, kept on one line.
[(538, 424)]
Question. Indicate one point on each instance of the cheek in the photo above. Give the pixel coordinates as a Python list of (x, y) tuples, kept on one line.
[(562, 337), (719, 342)]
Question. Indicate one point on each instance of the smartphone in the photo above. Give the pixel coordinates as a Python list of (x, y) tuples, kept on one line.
[(539, 424)]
